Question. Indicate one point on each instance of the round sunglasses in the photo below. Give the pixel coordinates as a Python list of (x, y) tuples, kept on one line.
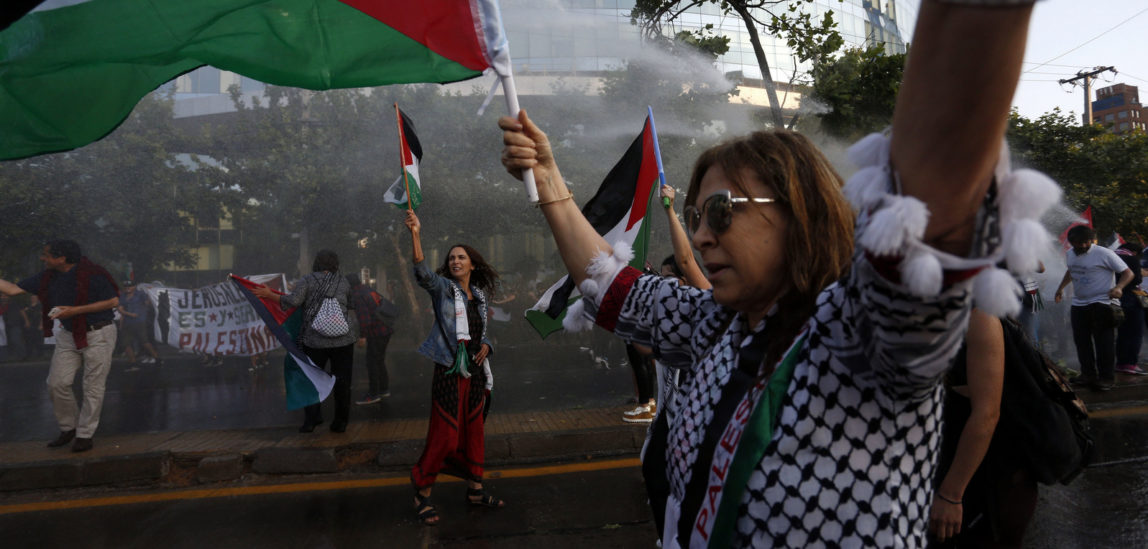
[(718, 211)]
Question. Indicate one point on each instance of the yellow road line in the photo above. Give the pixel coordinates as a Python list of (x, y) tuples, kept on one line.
[(1119, 412), (237, 491)]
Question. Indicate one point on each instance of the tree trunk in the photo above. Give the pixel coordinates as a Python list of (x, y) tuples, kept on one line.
[(766, 77), (405, 270), (305, 259)]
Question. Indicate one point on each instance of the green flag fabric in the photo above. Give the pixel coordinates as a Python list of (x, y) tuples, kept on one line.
[(70, 75)]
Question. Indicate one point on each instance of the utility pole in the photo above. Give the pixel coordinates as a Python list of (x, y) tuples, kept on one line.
[(1087, 77)]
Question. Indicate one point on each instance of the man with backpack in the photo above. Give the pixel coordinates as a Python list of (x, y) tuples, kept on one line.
[(1093, 272), (376, 317)]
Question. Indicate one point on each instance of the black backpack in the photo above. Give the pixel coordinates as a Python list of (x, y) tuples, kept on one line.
[(385, 311), (1044, 422)]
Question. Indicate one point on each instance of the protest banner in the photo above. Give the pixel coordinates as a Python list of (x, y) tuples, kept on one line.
[(214, 320)]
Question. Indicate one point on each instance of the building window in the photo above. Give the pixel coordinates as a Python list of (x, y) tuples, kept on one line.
[(1109, 118), (1123, 126), (1122, 114)]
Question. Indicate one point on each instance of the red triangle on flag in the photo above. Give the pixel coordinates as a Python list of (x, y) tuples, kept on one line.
[(647, 176), (446, 27), (1087, 216)]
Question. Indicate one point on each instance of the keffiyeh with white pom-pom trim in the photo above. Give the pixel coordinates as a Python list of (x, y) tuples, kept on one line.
[(891, 224)]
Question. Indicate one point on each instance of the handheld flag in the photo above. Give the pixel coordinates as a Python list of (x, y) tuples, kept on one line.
[(1117, 241), (306, 384), (1084, 219), (70, 75), (618, 212), (411, 152), (658, 155)]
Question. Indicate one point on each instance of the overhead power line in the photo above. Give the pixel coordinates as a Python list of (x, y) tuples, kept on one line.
[(1086, 42), (1134, 77)]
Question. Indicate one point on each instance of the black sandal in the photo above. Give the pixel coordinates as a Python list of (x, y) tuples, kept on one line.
[(484, 499), (425, 510)]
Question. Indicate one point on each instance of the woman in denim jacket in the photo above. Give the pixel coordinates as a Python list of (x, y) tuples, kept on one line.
[(459, 348)]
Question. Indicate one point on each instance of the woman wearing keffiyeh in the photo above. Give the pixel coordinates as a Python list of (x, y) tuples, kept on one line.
[(458, 345), (810, 399)]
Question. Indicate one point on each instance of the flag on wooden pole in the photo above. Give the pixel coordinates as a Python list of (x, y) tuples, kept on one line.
[(410, 153)]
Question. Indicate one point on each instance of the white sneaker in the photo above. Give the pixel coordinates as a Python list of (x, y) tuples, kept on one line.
[(642, 414)]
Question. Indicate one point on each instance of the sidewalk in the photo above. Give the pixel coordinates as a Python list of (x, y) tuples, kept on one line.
[(174, 459), (177, 459)]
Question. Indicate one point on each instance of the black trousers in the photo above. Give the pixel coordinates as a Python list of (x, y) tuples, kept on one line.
[(337, 361), (1131, 332), (644, 374), (378, 380), (1094, 332)]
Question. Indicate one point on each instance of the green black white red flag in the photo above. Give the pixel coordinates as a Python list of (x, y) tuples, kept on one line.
[(618, 212), (411, 153), (304, 383), (71, 71)]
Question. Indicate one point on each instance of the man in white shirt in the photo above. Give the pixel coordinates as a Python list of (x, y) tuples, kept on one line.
[(1093, 272)]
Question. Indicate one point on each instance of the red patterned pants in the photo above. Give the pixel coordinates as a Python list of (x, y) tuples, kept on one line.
[(456, 435)]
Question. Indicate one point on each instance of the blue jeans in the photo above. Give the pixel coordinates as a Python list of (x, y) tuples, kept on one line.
[(1030, 320)]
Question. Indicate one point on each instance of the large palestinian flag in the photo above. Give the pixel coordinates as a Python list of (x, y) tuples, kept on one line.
[(618, 212), (69, 75), (305, 383)]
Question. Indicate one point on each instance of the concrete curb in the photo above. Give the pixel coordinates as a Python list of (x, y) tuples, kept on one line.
[(136, 469), (173, 469)]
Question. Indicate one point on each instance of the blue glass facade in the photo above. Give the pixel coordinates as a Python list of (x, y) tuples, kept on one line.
[(581, 36)]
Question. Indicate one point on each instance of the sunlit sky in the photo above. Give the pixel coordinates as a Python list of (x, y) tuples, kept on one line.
[(1074, 35)]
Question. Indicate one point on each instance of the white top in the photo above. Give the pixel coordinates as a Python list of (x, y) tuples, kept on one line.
[(1093, 274)]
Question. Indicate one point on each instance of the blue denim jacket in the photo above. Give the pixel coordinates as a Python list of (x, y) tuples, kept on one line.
[(436, 347)]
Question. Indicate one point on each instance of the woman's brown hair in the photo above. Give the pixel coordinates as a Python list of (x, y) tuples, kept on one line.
[(484, 276), (819, 240)]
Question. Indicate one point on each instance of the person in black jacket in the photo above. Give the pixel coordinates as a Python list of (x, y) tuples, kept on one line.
[(1131, 331)]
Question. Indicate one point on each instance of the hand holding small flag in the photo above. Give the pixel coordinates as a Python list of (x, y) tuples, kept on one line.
[(667, 193), (412, 222)]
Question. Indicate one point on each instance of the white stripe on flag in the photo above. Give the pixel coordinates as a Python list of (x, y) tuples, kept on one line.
[(322, 381)]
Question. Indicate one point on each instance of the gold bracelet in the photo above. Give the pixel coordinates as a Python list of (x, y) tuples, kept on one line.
[(560, 199)]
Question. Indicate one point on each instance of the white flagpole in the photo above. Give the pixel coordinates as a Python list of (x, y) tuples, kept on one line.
[(512, 107), (498, 54)]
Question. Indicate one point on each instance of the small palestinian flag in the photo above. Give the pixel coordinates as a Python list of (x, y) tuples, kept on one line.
[(618, 213), (411, 153), (306, 384)]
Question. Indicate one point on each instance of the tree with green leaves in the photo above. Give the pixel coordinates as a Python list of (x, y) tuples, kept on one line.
[(859, 90), (1094, 167), (125, 198), (810, 39)]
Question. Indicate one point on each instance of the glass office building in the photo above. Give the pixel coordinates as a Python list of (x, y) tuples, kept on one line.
[(586, 38)]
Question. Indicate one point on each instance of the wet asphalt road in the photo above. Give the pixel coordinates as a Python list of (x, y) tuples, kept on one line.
[(595, 509), (185, 395), (1104, 508)]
